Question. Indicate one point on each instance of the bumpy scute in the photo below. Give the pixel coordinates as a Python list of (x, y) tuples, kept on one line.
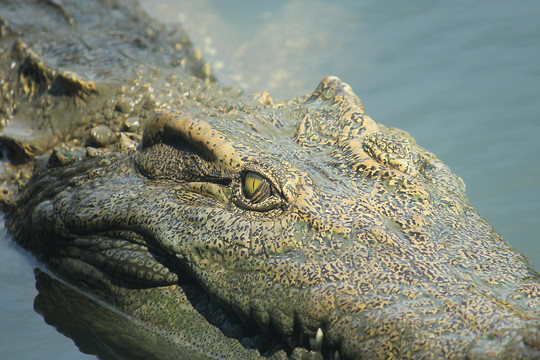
[(364, 237)]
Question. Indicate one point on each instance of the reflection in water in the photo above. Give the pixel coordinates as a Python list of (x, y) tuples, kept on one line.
[(97, 328), (94, 327)]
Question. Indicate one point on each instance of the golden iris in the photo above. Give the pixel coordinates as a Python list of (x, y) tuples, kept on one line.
[(256, 188)]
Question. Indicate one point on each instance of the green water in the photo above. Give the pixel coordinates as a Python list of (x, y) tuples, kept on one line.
[(462, 77)]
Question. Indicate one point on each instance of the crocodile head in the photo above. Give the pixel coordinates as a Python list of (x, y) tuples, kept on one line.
[(307, 219)]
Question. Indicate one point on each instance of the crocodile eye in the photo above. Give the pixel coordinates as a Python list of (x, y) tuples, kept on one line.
[(259, 189), (256, 188)]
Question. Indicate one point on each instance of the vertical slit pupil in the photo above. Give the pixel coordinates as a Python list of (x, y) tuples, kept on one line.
[(256, 188)]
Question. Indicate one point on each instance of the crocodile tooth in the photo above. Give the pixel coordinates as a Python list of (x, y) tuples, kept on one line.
[(317, 341), (334, 355)]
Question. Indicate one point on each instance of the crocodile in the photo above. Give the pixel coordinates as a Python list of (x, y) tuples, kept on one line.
[(230, 226)]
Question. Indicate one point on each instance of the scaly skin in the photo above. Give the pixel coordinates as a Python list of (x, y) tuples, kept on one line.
[(359, 242), (360, 232)]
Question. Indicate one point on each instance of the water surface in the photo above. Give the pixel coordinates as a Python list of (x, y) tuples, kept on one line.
[(463, 78)]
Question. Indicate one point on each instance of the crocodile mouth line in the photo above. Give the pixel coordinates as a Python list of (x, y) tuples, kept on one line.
[(299, 343)]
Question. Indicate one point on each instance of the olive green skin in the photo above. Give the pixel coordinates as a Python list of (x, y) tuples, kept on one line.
[(360, 233), (359, 244)]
